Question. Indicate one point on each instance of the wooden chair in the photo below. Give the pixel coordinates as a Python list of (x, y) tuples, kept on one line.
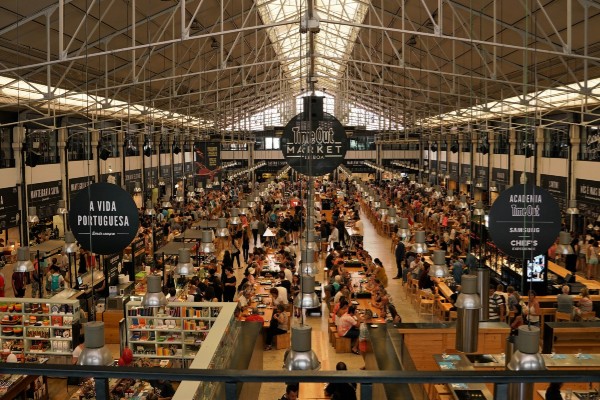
[(561, 316), (426, 302), (588, 316)]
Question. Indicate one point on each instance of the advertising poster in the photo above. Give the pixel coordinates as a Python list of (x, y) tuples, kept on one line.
[(44, 196)]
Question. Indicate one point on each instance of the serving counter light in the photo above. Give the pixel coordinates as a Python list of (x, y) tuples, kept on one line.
[(207, 245), (235, 217), (478, 211), (243, 207), (439, 268), (95, 352), (166, 203), (564, 244), (450, 195), (24, 263), (149, 208), (467, 304), (392, 219), (184, 263), (154, 297), (463, 202), (403, 229), (222, 230), (419, 246), (137, 188), (32, 217)]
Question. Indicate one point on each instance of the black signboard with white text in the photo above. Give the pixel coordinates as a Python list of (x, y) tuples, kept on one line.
[(465, 173), (188, 168), (165, 174), (314, 142), (45, 197), (443, 168), (104, 218), (112, 265), (359, 166), (433, 164), (517, 177), (591, 147), (587, 191), (131, 177), (481, 174), (271, 165), (77, 184), (9, 206), (557, 186), (454, 171), (151, 177), (110, 176), (501, 177), (524, 221), (178, 171)]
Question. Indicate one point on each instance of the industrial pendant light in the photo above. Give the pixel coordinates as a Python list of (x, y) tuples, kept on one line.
[(149, 208), (235, 217), (403, 229), (199, 188), (479, 211), (493, 186), (154, 297), (392, 219), (439, 269), (32, 217), (137, 188), (572, 209), (419, 246), (70, 246), (62, 208), (525, 358), (243, 207), (207, 245), (184, 263), (308, 267), (463, 202), (467, 304), (564, 244), (310, 240), (95, 352), (301, 357), (165, 202), (190, 193), (450, 195), (308, 298), (222, 230), (24, 263)]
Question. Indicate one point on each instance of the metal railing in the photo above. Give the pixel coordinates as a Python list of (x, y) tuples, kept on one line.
[(366, 379)]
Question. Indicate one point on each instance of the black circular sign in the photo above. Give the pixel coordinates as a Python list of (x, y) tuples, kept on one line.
[(315, 147), (524, 221), (104, 218)]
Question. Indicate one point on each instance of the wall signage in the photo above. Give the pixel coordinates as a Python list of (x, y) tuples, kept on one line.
[(557, 186), (592, 146), (454, 171), (151, 177), (524, 221), (314, 143), (131, 177), (465, 173), (501, 175), (517, 177), (112, 268), (77, 184), (9, 206), (587, 191), (112, 177), (44, 196), (104, 218)]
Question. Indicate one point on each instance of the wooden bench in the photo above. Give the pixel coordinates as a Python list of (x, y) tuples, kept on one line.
[(571, 337), (332, 333), (342, 344)]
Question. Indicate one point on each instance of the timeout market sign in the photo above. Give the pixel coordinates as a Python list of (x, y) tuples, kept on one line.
[(314, 143), (524, 221), (104, 218)]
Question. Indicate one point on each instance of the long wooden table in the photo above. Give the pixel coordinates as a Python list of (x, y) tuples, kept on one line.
[(591, 284)]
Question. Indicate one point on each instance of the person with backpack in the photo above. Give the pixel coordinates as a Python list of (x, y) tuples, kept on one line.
[(55, 280)]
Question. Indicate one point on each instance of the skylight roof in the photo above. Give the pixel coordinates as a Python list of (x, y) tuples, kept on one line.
[(333, 43)]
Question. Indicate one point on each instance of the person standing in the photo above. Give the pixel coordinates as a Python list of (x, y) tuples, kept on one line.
[(229, 285), (245, 244), (400, 254), (19, 282), (254, 228), (497, 306)]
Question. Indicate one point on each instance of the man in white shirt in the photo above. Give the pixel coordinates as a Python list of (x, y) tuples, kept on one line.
[(288, 273)]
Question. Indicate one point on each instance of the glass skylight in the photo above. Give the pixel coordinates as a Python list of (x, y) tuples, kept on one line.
[(333, 43)]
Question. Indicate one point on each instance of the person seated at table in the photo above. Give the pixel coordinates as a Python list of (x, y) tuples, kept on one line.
[(278, 296), (337, 306), (246, 298), (338, 268), (564, 301), (278, 325), (344, 390), (291, 392), (425, 281), (348, 327), (284, 282), (380, 273), (343, 292), (388, 310)]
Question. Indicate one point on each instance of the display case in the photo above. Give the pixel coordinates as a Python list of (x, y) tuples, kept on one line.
[(42, 327), (176, 332)]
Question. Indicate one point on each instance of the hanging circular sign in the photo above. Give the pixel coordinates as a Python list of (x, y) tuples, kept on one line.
[(104, 218), (316, 147), (524, 221)]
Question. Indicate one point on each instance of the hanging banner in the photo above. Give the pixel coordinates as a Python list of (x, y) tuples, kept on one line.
[(44, 196), (359, 166), (207, 160), (524, 221), (482, 173), (9, 206), (314, 143), (77, 184), (104, 218)]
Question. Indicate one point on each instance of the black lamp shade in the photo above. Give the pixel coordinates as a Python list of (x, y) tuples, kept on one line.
[(484, 148), (147, 151), (454, 147), (176, 149), (528, 152), (32, 159), (434, 147)]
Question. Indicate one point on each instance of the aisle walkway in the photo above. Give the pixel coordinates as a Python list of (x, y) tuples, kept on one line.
[(379, 247)]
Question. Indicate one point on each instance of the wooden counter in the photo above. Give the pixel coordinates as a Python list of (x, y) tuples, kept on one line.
[(422, 341), (111, 319)]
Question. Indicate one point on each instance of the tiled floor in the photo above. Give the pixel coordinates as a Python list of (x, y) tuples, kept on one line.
[(377, 246)]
